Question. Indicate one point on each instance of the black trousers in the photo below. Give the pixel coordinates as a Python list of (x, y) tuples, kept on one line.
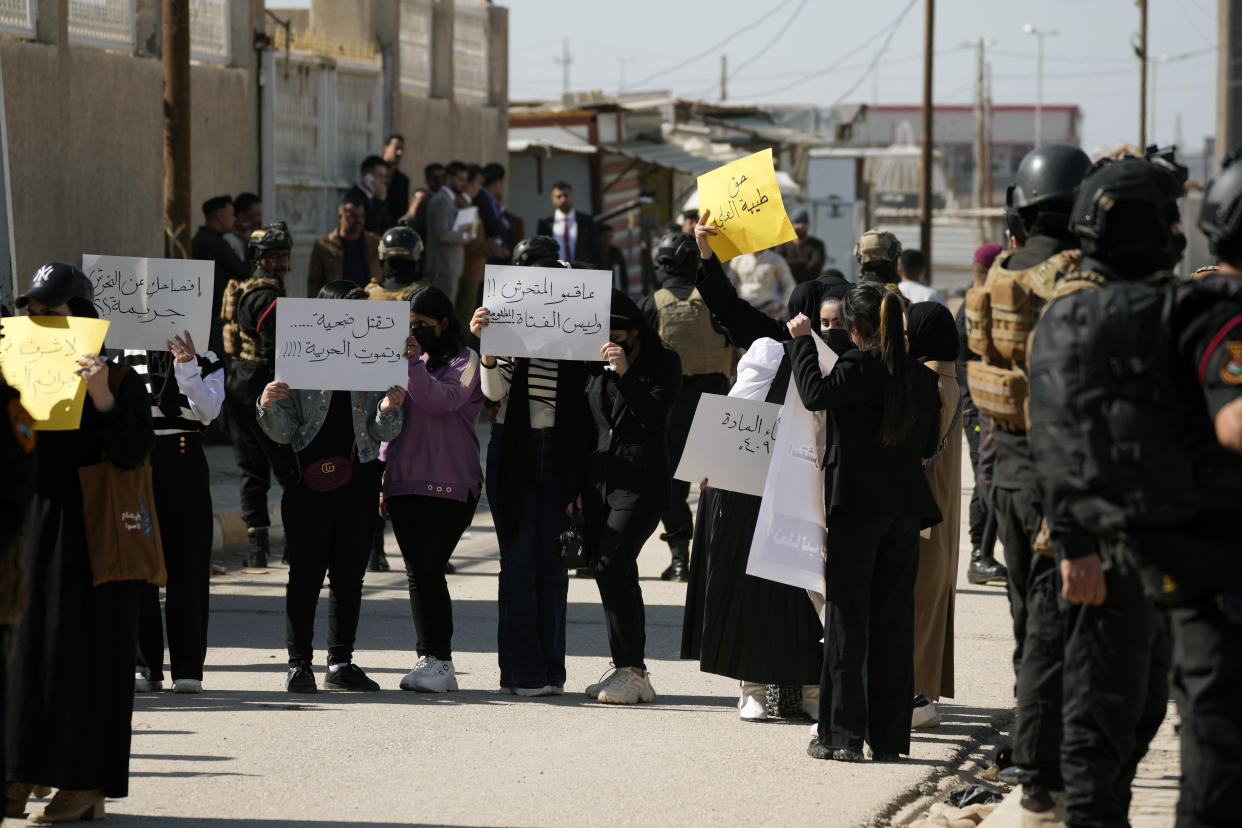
[(331, 533), (1116, 691), (1018, 517), (259, 459), (678, 523), (616, 574), (1207, 672), (183, 505), (427, 530), (978, 509), (1037, 735), (870, 572)]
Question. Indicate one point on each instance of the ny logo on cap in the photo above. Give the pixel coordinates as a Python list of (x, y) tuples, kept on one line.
[(43, 274)]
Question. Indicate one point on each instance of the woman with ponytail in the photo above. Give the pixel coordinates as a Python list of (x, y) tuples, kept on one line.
[(885, 411)]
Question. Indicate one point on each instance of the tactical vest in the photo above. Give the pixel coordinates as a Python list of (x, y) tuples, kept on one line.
[(1000, 318), (241, 342), (377, 291), (686, 325)]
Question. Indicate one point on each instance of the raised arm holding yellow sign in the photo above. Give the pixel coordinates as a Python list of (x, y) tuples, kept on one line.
[(39, 356), (746, 206)]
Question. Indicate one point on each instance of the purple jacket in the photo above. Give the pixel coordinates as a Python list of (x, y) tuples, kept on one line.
[(437, 452)]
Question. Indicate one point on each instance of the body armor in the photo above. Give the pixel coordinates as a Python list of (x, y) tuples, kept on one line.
[(240, 341), (686, 325)]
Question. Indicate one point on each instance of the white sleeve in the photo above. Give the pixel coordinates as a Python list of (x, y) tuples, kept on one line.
[(206, 394), (757, 368), (493, 381)]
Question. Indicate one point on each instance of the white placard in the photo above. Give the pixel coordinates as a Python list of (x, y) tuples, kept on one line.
[(730, 443), (341, 344), (465, 217), (546, 312), (788, 544), (149, 300)]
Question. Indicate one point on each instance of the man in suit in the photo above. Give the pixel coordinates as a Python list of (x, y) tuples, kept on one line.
[(209, 243), (445, 256), (348, 252), (372, 190), (398, 199), (575, 233)]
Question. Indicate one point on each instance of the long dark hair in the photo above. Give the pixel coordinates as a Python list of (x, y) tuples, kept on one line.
[(434, 303), (341, 289), (876, 317)]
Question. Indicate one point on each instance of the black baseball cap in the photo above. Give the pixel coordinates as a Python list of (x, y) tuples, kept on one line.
[(55, 284)]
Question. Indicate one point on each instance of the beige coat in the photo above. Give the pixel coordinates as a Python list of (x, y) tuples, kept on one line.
[(935, 586)]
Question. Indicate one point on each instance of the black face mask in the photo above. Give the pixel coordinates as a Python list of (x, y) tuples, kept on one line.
[(625, 346), (426, 336), (838, 339)]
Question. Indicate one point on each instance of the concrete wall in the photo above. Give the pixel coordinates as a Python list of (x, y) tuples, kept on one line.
[(443, 130)]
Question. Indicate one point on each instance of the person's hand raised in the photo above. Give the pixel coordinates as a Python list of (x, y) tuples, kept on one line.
[(273, 392), (702, 232), (800, 325)]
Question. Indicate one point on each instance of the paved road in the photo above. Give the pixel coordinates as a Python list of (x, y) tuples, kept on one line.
[(247, 753)]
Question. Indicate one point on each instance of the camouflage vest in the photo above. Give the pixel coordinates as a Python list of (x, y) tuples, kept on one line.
[(686, 325), (241, 342), (377, 291)]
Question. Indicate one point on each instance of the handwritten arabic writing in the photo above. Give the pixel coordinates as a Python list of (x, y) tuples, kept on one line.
[(546, 312), (39, 357), (332, 344), (761, 435), (725, 423), (150, 300), (746, 206)]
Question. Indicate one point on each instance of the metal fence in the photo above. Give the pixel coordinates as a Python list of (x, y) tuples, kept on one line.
[(17, 17), (209, 30), (470, 40), (415, 26), (105, 23)]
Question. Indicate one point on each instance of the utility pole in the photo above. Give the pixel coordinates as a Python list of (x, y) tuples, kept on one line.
[(925, 181), (987, 136), (1039, 79), (979, 139), (724, 77), (1142, 49), (1228, 76), (176, 60), (564, 60)]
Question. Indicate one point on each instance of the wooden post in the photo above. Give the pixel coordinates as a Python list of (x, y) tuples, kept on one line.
[(176, 59)]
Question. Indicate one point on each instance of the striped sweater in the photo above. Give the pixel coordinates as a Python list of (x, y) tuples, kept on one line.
[(185, 396)]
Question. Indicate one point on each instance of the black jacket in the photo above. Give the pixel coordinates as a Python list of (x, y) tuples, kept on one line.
[(244, 381), (741, 322), (587, 246), (627, 466), (377, 218), (865, 476), (210, 245), (398, 200)]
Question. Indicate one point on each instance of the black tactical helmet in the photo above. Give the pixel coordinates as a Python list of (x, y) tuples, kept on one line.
[(400, 243), (55, 284), (1048, 173), (1125, 211), (535, 251), (677, 253), (1221, 216), (274, 236)]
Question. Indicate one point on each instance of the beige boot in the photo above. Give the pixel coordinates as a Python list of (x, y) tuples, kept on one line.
[(16, 795), (71, 806), (750, 704)]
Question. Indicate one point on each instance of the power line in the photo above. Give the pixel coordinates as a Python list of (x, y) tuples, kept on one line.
[(878, 53), (763, 51), (714, 46)]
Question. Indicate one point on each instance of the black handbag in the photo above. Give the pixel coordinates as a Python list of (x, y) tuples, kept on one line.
[(571, 545)]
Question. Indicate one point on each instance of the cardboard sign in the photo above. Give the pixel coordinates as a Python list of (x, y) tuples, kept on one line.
[(788, 544), (465, 217), (148, 301), (39, 356), (546, 312), (341, 344), (746, 206), (730, 443)]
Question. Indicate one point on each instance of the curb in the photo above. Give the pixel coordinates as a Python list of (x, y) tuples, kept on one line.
[(229, 530)]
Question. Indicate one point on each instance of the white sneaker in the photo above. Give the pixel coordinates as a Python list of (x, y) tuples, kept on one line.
[(431, 675), (925, 714), (810, 701), (532, 692), (145, 685), (628, 687), (592, 690), (187, 686), (750, 705)]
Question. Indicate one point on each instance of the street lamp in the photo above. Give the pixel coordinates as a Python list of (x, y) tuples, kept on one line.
[(1030, 29)]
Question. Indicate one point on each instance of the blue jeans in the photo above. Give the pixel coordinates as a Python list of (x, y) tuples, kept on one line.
[(534, 583)]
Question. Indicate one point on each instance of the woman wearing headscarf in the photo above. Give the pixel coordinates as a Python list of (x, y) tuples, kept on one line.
[(933, 341), (625, 490), (70, 696), (329, 526), (432, 477)]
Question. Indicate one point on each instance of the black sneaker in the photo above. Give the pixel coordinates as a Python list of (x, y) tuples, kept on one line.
[(349, 677), (301, 679), (885, 756)]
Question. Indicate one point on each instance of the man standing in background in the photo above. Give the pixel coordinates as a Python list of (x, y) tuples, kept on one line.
[(445, 256), (574, 232), (371, 190), (912, 267), (806, 254), (248, 217), (398, 198), (348, 252), (211, 244)]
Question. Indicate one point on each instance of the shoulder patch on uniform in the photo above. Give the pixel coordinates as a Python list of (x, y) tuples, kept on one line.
[(22, 424), (1231, 366)]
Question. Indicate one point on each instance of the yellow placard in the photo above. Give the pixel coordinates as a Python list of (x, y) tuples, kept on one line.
[(746, 206), (39, 356)]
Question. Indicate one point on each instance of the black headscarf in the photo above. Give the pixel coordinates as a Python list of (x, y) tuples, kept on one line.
[(806, 298), (932, 332)]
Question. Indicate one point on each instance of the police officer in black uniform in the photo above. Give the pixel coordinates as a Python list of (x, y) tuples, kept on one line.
[(1116, 654), (249, 334)]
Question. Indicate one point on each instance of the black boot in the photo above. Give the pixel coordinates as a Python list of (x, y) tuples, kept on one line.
[(379, 561), (257, 559), (679, 567), (985, 568)]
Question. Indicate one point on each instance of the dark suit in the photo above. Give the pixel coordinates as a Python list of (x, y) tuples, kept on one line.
[(377, 218), (586, 248), (878, 500), (210, 245), (626, 489), (398, 200)]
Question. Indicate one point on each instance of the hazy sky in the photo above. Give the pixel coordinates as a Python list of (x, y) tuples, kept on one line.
[(779, 58)]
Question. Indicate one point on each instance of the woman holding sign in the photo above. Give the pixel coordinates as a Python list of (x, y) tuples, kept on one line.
[(71, 678), (626, 487), (329, 513)]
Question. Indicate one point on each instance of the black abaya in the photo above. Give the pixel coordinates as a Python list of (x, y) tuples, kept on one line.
[(71, 679)]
